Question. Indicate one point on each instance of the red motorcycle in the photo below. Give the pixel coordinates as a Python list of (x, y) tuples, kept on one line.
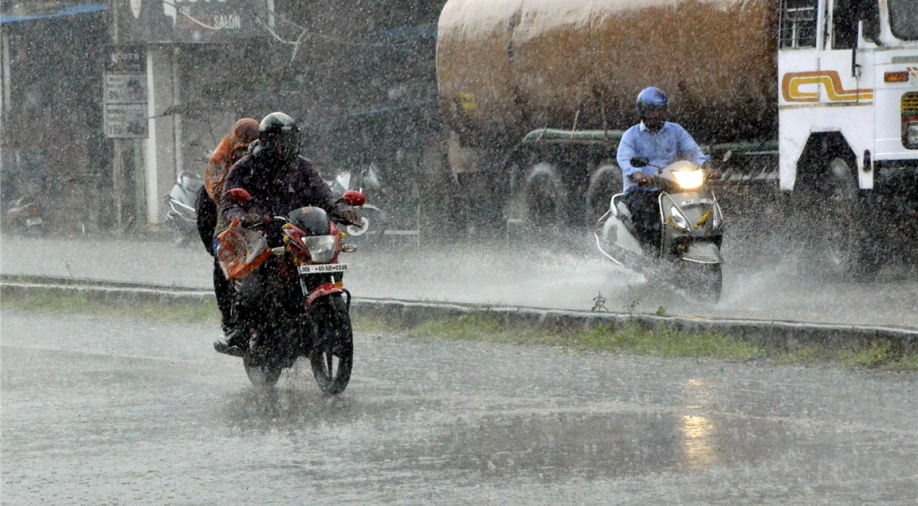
[(292, 298)]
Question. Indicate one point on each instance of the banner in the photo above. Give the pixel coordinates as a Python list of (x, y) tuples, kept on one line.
[(189, 21)]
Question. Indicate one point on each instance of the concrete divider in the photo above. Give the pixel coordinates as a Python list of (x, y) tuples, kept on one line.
[(407, 314)]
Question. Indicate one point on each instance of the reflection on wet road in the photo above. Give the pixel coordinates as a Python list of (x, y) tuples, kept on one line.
[(115, 411)]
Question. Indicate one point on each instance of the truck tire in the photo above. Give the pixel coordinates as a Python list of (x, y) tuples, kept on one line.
[(544, 198), (839, 239), (604, 182)]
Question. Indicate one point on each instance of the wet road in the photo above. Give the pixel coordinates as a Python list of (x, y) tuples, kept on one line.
[(758, 284), (100, 411)]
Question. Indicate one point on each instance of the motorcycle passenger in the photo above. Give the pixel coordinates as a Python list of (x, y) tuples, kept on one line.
[(230, 150), (661, 143), (279, 181)]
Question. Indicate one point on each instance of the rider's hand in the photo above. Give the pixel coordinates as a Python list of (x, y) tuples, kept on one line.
[(251, 219), (642, 179), (350, 216)]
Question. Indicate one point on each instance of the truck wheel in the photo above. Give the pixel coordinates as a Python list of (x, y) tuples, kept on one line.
[(544, 198), (604, 182), (840, 242)]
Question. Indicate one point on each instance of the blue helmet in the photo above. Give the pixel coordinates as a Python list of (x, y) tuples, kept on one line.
[(651, 98)]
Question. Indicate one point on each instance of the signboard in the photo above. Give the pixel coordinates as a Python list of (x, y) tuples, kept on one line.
[(124, 85), (189, 21)]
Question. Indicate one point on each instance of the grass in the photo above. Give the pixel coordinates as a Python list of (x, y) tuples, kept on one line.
[(635, 340), (630, 339), (78, 303)]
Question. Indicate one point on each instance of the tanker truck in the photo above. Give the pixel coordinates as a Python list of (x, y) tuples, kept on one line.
[(817, 99)]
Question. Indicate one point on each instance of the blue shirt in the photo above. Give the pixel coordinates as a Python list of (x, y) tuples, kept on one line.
[(670, 144)]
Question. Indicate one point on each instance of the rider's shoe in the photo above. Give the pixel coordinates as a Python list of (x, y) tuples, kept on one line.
[(233, 344)]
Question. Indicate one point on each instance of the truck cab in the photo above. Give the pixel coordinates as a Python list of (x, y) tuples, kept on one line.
[(848, 111)]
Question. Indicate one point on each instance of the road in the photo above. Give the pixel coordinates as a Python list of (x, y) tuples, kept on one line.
[(761, 279), (115, 411)]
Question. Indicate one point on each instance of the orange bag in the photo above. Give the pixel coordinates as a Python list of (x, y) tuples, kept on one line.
[(240, 251)]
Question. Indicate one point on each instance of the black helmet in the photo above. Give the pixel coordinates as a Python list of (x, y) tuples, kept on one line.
[(279, 137)]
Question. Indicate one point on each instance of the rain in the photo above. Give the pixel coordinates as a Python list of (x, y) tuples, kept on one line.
[(487, 139)]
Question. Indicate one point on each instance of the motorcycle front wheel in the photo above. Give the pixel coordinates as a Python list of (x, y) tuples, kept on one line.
[(333, 355), (261, 372)]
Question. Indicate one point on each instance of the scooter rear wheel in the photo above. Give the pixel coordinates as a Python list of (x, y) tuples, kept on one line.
[(333, 355)]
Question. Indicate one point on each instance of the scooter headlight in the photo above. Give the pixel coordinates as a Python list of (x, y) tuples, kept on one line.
[(321, 248), (689, 179), (679, 220)]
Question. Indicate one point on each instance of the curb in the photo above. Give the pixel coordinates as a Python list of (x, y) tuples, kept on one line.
[(407, 314)]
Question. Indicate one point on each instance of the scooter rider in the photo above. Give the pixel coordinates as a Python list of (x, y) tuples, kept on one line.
[(661, 143), (279, 181)]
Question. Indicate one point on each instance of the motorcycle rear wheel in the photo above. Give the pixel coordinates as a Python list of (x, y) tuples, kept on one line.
[(261, 373), (333, 355)]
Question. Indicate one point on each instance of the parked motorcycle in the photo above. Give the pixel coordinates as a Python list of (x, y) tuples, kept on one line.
[(180, 217), (24, 216), (294, 301), (691, 232), (372, 223)]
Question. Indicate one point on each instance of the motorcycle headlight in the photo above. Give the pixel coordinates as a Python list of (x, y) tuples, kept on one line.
[(689, 179), (321, 248), (678, 220)]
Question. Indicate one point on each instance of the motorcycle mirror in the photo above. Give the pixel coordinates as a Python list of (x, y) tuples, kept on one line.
[(639, 162), (238, 197), (354, 198)]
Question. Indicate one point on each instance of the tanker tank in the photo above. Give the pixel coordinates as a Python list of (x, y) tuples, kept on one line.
[(507, 67)]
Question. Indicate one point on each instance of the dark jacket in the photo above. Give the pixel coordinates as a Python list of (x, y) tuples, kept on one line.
[(276, 191)]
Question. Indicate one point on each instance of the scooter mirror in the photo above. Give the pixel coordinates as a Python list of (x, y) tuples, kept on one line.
[(354, 198), (639, 162), (238, 197)]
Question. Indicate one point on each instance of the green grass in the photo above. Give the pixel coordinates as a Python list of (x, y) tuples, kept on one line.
[(630, 339), (635, 340), (73, 304)]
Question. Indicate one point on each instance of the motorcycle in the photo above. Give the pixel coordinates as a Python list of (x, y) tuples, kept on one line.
[(24, 216), (180, 217), (371, 226), (296, 305), (691, 232)]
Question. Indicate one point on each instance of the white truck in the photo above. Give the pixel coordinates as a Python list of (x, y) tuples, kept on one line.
[(821, 95)]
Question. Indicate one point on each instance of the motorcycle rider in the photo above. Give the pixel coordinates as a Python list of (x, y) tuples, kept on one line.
[(230, 150), (279, 181), (661, 143)]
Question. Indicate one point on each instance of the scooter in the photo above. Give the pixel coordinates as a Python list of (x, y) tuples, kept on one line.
[(296, 306), (372, 224), (691, 233), (24, 216), (180, 215)]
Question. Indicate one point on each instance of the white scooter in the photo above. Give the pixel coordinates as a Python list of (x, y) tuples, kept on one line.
[(688, 249)]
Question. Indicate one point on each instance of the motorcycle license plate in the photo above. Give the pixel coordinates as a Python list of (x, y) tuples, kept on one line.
[(31, 222), (322, 268)]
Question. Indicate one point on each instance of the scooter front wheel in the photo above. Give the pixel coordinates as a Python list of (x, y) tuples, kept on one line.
[(333, 355), (705, 281)]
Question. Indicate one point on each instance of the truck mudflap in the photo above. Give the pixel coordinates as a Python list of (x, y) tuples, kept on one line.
[(702, 253)]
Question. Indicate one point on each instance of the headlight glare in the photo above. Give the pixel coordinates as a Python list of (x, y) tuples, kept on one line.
[(689, 179)]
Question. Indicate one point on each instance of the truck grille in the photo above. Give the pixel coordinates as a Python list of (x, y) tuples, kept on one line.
[(910, 104)]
